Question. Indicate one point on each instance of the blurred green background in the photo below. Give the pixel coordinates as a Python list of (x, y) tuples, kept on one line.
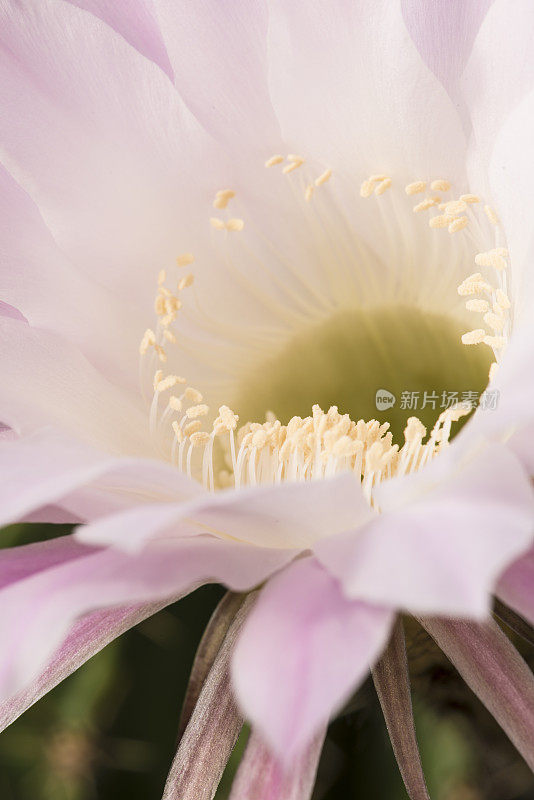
[(109, 731)]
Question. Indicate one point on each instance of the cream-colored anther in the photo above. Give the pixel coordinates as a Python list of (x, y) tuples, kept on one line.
[(493, 370), (415, 188), (192, 427), (228, 418), (494, 321), (501, 251), (178, 432), (455, 207), (470, 198), (495, 342), (491, 215), (169, 382), (425, 204), (148, 340), (366, 189), (490, 259), (474, 337), (194, 412), (217, 223), (274, 160), (200, 438), (440, 185), (323, 177), (458, 224), (441, 221), (235, 225), (378, 177), (502, 299), (295, 163), (383, 186), (185, 282), (162, 276), (175, 403), (308, 194), (162, 355), (193, 395), (481, 306), (414, 431), (260, 439), (223, 197), (185, 259), (169, 336)]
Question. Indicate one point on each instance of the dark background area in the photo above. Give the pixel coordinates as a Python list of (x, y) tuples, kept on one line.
[(109, 731)]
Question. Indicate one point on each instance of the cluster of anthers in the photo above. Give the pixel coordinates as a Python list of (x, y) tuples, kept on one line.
[(325, 443)]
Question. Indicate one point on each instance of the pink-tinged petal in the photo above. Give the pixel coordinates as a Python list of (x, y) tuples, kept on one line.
[(7, 310), (37, 612), (219, 56), (511, 178), (516, 586), (50, 292), (136, 21), (262, 777), (86, 637), (47, 381), (48, 468), (491, 666), (18, 563), (207, 742), (444, 34), (111, 146), (350, 88), (303, 650), (499, 72), (439, 549), (290, 515)]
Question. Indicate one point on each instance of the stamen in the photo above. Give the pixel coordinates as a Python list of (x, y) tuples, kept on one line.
[(274, 160), (458, 224), (222, 198), (324, 177), (415, 188), (474, 337), (440, 185), (185, 259)]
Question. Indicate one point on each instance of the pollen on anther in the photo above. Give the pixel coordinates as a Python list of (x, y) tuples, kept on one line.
[(481, 306), (295, 163), (193, 412), (384, 184), (235, 225), (502, 299), (169, 336), (185, 259), (458, 224), (193, 395), (168, 382), (217, 223), (474, 337), (415, 188), (308, 194), (470, 198), (161, 277), (185, 282), (199, 438), (324, 177), (440, 185), (274, 160), (162, 355), (491, 258), (223, 197), (366, 189), (425, 204), (148, 340), (441, 221)]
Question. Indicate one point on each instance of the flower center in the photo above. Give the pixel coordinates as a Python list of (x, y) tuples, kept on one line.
[(374, 354), (386, 363)]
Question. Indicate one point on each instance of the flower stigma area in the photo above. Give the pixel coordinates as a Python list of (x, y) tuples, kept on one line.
[(308, 410)]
